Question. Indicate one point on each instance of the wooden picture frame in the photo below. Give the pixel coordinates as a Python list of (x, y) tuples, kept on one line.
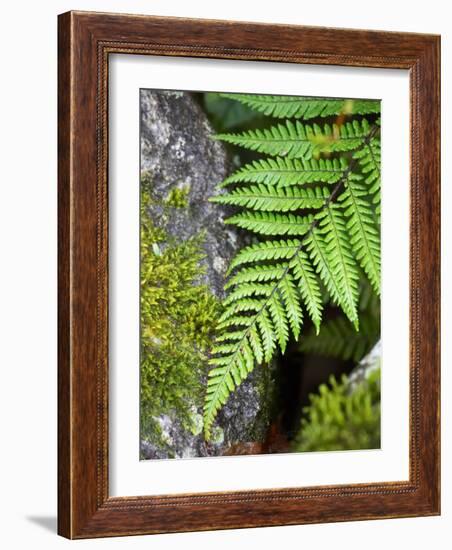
[(86, 40)]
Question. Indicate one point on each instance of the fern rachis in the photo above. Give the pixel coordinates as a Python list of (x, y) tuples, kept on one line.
[(315, 223)]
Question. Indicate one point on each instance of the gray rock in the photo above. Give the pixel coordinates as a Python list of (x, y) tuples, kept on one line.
[(368, 364), (177, 152)]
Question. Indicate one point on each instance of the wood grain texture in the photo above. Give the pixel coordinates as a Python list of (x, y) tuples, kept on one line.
[(85, 42)]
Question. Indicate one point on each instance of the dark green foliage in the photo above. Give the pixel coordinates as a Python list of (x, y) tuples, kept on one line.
[(312, 207), (338, 337), (226, 113), (340, 417)]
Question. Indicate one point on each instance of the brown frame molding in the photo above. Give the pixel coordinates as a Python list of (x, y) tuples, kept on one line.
[(85, 41)]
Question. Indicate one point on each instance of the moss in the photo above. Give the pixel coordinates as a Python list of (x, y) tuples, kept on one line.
[(178, 316), (339, 418), (178, 197)]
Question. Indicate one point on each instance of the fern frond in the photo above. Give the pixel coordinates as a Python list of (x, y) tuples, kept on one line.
[(269, 198), (267, 250), (235, 320), (338, 338), (296, 140), (232, 335), (258, 273), (241, 306), (268, 334), (285, 172), (256, 343), (364, 236), (268, 223), (248, 289), (330, 265), (291, 298), (272, 282), (285, 140), (309, 287), (233, 362), (369, 160), (305, 107), (339, 259), (278, 316)]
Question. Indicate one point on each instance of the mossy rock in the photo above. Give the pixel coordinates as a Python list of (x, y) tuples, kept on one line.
[(185, 251)]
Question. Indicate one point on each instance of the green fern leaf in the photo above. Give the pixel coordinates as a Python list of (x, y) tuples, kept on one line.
[(291, 140), (338, 338), (268, 223), (306, 108), (309, 286), (285, 172), (364, 236), (235, 320), (326, 264), (259, 273), (235, 362), (268, 198), (268, 334), (339, 259), (256, 343), (272, 281), (278, 316), (291, 298), (369, 159), (248, 289), (299, 140), (241, 306), (267, 250)]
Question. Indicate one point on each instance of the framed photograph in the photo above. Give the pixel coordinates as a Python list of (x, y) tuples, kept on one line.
[(249, 263)]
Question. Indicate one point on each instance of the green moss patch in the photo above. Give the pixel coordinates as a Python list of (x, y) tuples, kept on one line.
[(340, 418), (178, 316)]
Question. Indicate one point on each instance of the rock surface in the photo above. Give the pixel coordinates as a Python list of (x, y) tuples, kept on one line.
[(368, 364), (177, 152)]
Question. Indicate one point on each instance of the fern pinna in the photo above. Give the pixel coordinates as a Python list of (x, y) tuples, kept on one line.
[(313, 205)]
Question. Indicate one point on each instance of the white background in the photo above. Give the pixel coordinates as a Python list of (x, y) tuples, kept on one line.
[(128, 476), (28, 272)]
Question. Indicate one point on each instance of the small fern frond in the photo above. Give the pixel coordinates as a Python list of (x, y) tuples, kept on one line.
[(268, 223), (296, 140), (305, 107), (339, 259), (289, 140), (269, 198), (291, 298), (338, 338), (248, 289), (364, 235), (309, 287), (267, 250), (233, 362), (321, 259), (248, 305), (285, 172), (268, 334), (259, 273), (369, 160), (279, 318)]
